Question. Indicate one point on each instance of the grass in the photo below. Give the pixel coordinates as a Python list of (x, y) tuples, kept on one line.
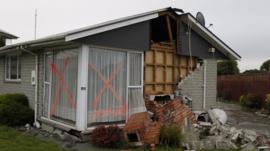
[(222, 150), (12, 140)]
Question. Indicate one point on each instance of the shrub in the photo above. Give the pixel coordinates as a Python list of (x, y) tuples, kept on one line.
[(14, 110), (252, 101), (111, 136), (16, 97), (267, 103), (170, 135), (243, 100)]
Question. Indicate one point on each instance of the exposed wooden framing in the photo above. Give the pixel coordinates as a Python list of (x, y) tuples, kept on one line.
[(162, 68), (154, 69), (169, 29), (166, 13), (177, 48)]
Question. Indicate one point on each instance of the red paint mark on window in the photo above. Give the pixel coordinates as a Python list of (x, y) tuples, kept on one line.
[(107, 85), (61, 87)]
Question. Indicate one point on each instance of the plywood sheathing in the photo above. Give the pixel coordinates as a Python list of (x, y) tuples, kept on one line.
[(163, 68)]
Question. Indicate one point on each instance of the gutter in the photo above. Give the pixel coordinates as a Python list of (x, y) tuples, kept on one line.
[(43, 41)]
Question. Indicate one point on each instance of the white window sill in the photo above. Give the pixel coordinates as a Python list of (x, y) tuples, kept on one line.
[(13, 81)]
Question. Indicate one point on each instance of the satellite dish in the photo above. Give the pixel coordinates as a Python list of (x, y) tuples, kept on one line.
[(200, 18)]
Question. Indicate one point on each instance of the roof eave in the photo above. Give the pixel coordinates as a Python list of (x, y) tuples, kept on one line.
[(42, 41), (112, 25), (7, 35)]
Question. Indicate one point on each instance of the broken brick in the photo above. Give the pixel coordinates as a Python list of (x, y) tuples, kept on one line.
[(173, 112)]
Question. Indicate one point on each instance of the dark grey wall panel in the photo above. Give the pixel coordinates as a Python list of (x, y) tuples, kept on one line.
[(136, 37), (199, 46)]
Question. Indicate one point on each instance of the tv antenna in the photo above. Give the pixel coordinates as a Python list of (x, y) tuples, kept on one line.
[(35, 33)]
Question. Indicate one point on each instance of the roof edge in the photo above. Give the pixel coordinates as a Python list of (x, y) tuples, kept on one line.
[(7, 35), (114, 24)]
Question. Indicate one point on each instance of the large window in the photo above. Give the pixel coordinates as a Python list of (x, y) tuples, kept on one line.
[(106, 86), (114, 85), (13, 68), (60, 86)]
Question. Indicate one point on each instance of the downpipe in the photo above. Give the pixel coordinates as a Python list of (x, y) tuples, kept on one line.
[(36, 123), (204, 84)]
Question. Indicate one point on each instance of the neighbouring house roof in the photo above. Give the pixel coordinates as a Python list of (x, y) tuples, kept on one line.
[(7, 35), (122, 22)]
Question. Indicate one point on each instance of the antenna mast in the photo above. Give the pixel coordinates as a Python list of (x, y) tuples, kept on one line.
[(35, 34)]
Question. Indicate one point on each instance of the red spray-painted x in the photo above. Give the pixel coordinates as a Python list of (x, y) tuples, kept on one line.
[(61, 86), (107, 85)]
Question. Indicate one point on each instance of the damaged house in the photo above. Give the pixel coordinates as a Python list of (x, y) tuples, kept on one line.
[(101, 74)]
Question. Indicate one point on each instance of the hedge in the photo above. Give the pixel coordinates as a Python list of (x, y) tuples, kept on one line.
[(15, 110), (14, 98)]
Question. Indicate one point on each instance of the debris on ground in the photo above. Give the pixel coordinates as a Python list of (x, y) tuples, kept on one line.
[(145, 127), (223, 136), (62, 138), (207, 130), (259, 113)]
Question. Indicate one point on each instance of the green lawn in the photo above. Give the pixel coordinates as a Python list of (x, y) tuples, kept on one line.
[(12, 140)]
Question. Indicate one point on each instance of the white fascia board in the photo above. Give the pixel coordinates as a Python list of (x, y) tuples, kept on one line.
[(212, 39), (112, 26)]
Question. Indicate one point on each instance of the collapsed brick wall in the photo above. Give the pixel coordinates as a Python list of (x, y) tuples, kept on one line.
[(173, 112), (141, 124)]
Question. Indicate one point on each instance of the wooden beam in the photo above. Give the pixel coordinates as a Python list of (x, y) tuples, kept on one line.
[(169, 29), (165, 69), (155, 68), (168, 14)]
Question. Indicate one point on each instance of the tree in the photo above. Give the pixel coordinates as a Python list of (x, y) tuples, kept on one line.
[(252, 71), (265, 66), (227, 67)]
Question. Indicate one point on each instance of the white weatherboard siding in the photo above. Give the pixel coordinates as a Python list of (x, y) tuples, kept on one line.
[(24, 86), (193, 86), (211, 81)]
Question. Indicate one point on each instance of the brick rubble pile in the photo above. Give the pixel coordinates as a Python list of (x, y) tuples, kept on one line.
[(172, 112)]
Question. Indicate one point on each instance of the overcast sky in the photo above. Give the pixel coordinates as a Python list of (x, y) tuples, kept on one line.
[(242, 24)]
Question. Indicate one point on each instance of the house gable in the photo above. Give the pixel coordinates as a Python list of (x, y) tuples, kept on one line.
[(133, 37), (199, 46)]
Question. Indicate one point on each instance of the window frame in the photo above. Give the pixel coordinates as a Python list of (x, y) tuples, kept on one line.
[(8, 68), (129, 86), (49, 83)]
